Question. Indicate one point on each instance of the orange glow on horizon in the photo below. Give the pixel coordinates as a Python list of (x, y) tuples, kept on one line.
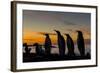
[(38, 37)]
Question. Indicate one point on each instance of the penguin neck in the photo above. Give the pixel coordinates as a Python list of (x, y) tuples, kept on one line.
[(59, 34), (47, 36), (80, 35), (68, 36)]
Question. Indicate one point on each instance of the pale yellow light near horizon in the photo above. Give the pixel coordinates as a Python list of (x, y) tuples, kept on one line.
[(38, 37)]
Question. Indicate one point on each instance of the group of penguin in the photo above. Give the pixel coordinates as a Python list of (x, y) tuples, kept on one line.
[(70, 44), (61, 45)]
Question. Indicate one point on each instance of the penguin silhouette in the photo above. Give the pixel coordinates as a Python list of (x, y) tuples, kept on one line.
[(39, 50), (27, 50), (80, 43), (47, 44), (70, 45), (61, 43)]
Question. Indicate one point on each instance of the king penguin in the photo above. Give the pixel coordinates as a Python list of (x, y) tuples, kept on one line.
[(70, 45), (47, 45), (61, 43), (80, 43)]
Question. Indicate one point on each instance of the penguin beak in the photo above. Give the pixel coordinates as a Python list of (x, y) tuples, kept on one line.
[(56, 31)]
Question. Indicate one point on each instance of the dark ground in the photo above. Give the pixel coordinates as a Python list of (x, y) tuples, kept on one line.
[(32, 57)]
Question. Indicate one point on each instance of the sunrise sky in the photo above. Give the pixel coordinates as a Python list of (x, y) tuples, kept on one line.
[(37, 23)]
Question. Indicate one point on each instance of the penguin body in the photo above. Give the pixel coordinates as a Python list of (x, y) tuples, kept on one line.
[(61, 43), (80, 43), (70, 45), (47, 45)]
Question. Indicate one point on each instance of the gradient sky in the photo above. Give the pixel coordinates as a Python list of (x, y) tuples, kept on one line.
[(36, 23)]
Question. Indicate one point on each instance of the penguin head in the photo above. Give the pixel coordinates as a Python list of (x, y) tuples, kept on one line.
[(57, 31), (46, 35), (79, 32), (67, 35)]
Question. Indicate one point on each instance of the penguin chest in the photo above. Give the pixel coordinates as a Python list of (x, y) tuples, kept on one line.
[(47, 42), (61, 43)]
